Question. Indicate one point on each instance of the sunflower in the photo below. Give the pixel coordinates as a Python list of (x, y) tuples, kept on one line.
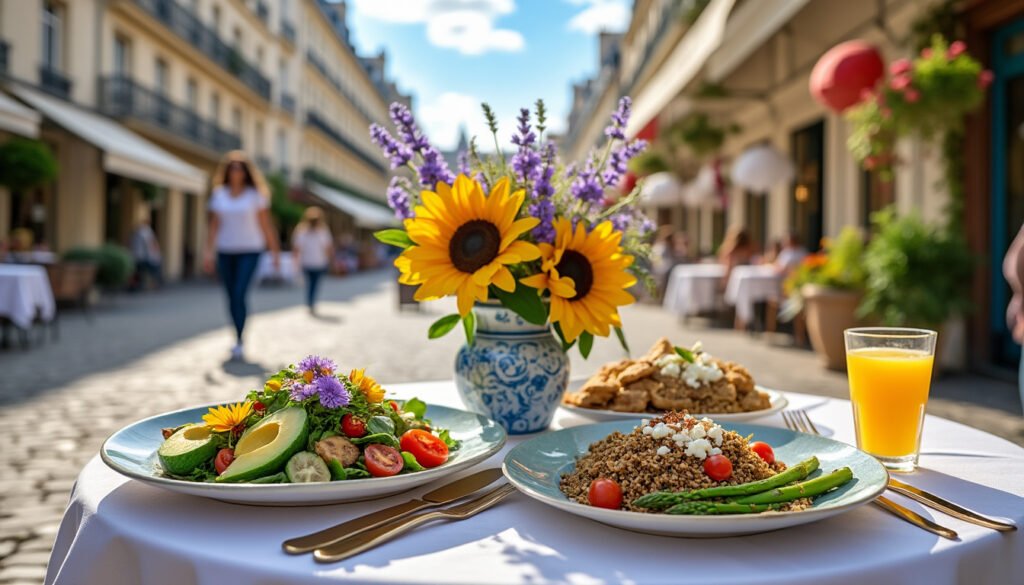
[(586, 274), (464, 242), (367, 385), (222, 419)]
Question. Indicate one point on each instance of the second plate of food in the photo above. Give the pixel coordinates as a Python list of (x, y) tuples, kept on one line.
[(776, 399), (647, 479)]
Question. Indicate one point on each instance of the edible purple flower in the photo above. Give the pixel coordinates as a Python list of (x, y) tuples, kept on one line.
[(586, 186), (399, 154), (620, 117), (542, 206), (332, 392), (526, 161), (316, 366), (408, 131), (621, 221), (398, 197), (618, 159), (462, 160), (300, 392), (434, 169)]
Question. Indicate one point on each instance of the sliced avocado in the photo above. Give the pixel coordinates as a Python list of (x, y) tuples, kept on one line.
[(266, 447), (188, 448)]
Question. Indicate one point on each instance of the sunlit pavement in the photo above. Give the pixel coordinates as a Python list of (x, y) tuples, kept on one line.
[(143, 354)]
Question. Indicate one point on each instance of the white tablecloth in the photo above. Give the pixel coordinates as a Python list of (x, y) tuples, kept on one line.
[(692, 288), (287, 271), (749, 285), (25, 293), (118, 531)]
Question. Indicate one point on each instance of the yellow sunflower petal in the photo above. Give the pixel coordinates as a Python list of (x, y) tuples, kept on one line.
[(504, 280), (538, 281)]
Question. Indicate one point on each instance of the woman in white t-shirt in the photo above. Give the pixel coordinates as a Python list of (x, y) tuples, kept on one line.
[(313, 248), (239, 231)]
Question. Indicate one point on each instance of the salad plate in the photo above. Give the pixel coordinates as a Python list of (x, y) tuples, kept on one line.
[(132, 451), (537, 468), (776, 398)]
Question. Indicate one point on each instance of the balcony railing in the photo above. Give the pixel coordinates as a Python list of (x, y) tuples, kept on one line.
[(53, 81), (121, 97), (5, 48), (288, 102), (319, 65), (316, 121), (288, 31), (184, 23)]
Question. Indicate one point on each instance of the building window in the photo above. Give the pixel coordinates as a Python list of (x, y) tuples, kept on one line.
[(876, 195), (236, 37), (259, 140), (281, 148), (807, 217), (122, 57), (216, 19), (53, 35), (215, 107), (161, 76), (192, 94), (236, 119)]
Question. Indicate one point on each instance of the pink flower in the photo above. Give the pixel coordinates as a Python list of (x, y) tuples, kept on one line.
[(911, 95), (985, 79), (926, 52), (900, 82), (956, 49), (900, 66)]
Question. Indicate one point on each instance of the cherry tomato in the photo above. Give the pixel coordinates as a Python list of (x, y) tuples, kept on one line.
[(428, 450), (352, 426), (224, 458), (718, 467), (764, 451), (259, 406), (394, 406), (605, 493), (382, 460)]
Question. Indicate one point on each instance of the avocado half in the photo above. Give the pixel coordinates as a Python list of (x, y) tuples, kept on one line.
[(266, 446), (188, 448)]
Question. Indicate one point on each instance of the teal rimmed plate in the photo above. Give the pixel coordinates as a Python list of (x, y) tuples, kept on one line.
[(536, 466), (131, 451)]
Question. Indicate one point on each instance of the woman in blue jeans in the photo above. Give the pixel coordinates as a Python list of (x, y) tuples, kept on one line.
[(239, 231), (313, 248)]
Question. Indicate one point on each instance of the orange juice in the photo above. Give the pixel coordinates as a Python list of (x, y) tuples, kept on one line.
[(889, 388)]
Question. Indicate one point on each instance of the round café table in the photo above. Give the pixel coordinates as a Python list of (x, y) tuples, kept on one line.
[(25, 294), (693, 289), (118, 531), (749, 285)]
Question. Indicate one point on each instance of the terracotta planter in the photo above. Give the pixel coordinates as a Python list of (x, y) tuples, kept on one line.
[(829, 312)]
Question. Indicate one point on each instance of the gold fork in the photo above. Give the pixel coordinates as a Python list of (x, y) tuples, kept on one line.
[(798, 420)]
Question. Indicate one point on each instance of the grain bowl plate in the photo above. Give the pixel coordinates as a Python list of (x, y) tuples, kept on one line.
[(536, 467), (131, 451)]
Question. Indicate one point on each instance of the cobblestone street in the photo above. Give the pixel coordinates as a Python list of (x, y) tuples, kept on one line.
[(145, 354)]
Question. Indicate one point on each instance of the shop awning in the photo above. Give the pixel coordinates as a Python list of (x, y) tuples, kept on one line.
[(125, 153), (366, 214), (682, 65), (749, 27), (18, 119)]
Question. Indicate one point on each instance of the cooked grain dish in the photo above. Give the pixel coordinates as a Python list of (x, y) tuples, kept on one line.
[(644, 461), (663, 380)]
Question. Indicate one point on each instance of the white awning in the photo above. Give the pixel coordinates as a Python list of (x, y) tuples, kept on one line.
[(682, 65), (125, 153), (748, 29), (18, 119), (366, 214)]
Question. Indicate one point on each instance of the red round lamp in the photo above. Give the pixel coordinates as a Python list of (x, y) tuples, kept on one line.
[(843, 73)]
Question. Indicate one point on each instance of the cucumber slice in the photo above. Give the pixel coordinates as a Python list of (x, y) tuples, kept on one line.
[(306, 467)]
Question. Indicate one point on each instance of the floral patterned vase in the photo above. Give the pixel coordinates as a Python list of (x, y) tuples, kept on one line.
[(515, 372)]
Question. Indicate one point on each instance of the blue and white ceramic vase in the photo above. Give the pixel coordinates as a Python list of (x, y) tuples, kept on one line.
[(514, 372)]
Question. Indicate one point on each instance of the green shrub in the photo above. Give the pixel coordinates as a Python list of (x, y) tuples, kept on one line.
[(115, 264), (26, 164)]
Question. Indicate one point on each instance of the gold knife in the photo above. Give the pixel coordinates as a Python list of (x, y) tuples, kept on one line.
[(915, 518), (445, 494), (954, 510), (348, 547)]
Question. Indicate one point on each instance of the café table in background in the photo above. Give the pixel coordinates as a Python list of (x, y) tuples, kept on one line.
[(749, 285), (692, 289), (25, 294)]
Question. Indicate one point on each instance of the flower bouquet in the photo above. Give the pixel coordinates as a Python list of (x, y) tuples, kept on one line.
[(527, 245)]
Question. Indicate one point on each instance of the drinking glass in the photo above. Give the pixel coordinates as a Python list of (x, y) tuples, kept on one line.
[(890, 372)]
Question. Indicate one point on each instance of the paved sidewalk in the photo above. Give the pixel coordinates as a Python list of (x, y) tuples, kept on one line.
[(150, 353)]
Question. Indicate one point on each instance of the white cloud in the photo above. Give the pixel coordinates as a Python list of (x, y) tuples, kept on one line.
[(467, 26), (442, 116), (600, 15)]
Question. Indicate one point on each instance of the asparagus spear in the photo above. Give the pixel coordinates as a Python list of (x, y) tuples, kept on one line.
[(804, 489), (703, 508), (662, 500)]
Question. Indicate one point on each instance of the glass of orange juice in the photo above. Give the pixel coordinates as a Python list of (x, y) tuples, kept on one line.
[(890, 372)]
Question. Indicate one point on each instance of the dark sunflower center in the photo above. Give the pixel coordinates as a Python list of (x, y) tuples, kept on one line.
[(578, 268), (474, 245)]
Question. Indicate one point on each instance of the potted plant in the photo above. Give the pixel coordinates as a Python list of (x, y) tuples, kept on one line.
[(917, 275), (828, 288), (26, 164)]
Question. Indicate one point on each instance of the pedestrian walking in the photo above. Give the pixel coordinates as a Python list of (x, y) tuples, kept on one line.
[(313, 247), (239, 231), (145, 248)]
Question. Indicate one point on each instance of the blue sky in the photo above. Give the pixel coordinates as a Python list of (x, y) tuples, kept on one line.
[(453, 54)]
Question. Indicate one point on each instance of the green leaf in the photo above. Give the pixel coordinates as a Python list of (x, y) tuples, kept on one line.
[(445, 436), (381, 438), (586, 344), (469, 325), (410, 462), (380, 424), (356, 473), (415, 406), (442, 326), (395, 237), (686, 354), (622, 339), (278, 477), (525, 302), (337, 471)]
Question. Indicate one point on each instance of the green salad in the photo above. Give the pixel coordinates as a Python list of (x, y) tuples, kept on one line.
[(308, 423)]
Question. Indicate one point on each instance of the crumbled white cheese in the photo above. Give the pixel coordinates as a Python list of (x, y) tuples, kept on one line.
[(672, 370), (698, 432), (698, 374), (663, 450), (661, 430), (698, 347), (647, 430), (715, 434), (715, 451), (698, 448)]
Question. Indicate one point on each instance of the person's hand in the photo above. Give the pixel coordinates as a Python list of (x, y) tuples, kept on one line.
[(208, 266)]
